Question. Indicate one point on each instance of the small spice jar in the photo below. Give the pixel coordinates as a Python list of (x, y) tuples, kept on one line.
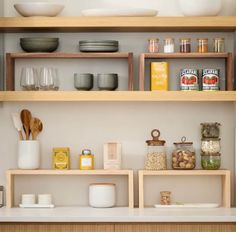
[(202, 45), (165, 197), (185, 45), (219, 45), (169, 45), (156, 156), (210, 146), (153, 45), (210, 130), (86, 160), (183, 156), (211, 162)]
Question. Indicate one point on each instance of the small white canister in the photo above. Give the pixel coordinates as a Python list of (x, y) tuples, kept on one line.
[(102, 195), (28, 155)]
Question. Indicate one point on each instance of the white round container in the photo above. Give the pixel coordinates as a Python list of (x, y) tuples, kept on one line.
[(44, 199), (28, 155), (200, 7), (102, 195), (28, 199)]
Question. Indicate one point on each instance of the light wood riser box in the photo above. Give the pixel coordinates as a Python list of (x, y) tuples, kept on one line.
[(118, 227)]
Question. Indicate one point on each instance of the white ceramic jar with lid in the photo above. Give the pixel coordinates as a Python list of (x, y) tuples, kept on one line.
[(102, 195)]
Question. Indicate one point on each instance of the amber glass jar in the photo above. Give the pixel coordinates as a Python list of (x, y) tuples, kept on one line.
[(202, 46), (153, 45)]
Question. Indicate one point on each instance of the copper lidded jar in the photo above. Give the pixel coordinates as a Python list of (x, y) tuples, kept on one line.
[(156, 154), (183, 156)]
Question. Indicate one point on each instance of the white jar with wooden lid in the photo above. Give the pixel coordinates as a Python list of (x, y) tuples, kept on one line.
[(102, 195)]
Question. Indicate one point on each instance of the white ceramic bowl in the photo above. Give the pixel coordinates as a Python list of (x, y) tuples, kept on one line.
[(200, 7), (29, 9)]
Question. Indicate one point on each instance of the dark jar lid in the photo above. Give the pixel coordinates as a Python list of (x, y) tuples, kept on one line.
[(183, 142), (156, 142)]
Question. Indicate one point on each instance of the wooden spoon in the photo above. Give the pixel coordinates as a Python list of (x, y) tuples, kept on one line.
[(25, 119), (36, 126)]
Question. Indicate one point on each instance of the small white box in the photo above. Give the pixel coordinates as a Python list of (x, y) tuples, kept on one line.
[(112, 156)]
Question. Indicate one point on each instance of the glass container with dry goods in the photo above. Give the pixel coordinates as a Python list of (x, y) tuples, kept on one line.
[(202, 46), (165, 197), (210, 130), (219, 45), (153, 45), (156, 155), (185, 45), (211, 162), (183, 156), (210, 146), (169, 45)]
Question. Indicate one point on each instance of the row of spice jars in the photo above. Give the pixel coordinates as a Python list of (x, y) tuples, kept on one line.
[(209, 80), (185, 45)]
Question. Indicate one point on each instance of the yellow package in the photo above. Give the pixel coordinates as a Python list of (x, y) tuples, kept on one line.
[(61, 158), (159, 76)]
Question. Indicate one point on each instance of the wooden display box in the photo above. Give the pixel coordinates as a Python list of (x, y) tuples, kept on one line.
[(10, 174), (225, 174)]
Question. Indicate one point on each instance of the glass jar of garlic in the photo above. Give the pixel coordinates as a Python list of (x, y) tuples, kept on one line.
[(156, 155)]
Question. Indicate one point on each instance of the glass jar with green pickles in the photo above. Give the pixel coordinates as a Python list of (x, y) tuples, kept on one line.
[(211, 162)]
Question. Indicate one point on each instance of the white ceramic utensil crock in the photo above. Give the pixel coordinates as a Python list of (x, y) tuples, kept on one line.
[(102, 195), (28, 155)]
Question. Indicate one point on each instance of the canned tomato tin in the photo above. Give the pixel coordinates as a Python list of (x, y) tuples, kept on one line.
[(189, 79), (211, 80)]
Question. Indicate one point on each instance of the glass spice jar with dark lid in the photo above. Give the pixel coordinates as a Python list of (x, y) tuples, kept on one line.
[(185, 45)]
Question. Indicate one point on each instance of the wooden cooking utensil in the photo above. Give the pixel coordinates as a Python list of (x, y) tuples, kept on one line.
[(18, 125), (36, 126), (25, 119)]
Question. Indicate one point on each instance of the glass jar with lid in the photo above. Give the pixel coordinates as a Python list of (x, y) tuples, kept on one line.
[(219, 45), (169, 45), (156, 154), (183, 156), (185, 45), (211, 162), (211, 146), (153, 45), (202, 46)]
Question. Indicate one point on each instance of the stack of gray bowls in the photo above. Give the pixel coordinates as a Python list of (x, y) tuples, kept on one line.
[(39, 44), (99, 46)]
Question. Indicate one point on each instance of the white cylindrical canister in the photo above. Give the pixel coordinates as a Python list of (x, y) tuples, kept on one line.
[(102, 195)]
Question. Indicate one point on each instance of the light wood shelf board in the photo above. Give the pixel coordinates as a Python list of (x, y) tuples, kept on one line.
[(117, 96), (58, 55), (69, 172), (117, 24), (185, 55)]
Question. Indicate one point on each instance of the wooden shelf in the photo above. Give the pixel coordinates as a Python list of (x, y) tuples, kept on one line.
[(10, 175), (228, 58), (117, 24), (224, 174), (11, 57), (117, 96)]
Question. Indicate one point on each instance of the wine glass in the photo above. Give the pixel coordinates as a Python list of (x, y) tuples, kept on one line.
[(29, 79), (46, 79)]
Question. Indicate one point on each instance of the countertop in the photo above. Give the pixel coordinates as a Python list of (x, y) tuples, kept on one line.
[(80, 214)]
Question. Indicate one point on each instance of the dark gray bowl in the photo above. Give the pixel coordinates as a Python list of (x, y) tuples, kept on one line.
[(39, 44), (108, 81)]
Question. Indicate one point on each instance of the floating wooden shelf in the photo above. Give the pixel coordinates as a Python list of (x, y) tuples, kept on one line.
[(11, 57), (117, 24), (228, 57), (225, 174), (10, 174), (117, 96)]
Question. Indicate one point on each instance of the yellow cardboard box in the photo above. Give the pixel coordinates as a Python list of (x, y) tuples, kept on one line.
[(159, 76), (61, 158)]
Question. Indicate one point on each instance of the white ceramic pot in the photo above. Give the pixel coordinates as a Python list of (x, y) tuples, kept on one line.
[(200, 7), (28, 155), (28, 199), (44, 199), (102, 195)]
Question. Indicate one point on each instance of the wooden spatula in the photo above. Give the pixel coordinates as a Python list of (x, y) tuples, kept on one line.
[(25, 119)]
